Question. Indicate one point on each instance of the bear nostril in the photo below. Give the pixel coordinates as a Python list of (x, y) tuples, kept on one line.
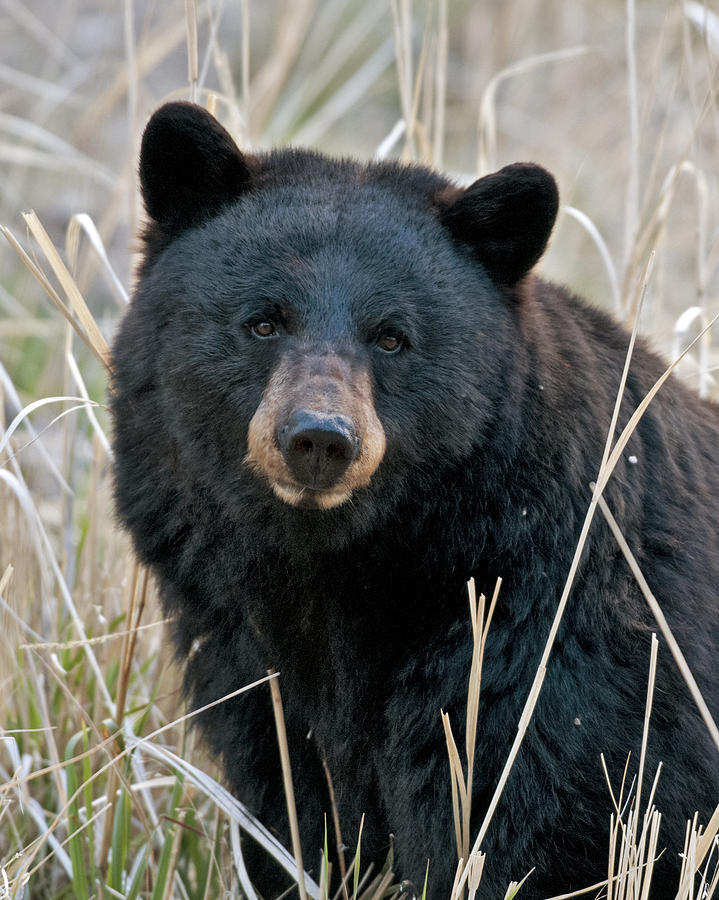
[(317, 447), (336, 451), (302, 445)]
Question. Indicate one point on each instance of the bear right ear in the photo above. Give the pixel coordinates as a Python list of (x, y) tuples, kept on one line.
[(506, 218), (189, 165)]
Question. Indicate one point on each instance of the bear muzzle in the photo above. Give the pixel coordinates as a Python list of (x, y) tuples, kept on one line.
[(316, 436)]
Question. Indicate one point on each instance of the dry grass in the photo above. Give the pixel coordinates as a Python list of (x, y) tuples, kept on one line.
[(102, 792)]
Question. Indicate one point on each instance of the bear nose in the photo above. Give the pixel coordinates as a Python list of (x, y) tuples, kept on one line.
[(318, 447)]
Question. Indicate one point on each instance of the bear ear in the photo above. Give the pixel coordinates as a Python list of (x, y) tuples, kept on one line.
[(189, 165), (506, 218)]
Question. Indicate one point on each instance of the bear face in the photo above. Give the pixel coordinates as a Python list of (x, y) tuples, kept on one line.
[(339, 392), (353, 305)]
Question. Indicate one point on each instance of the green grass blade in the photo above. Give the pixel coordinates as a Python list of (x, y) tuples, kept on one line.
[(77, 837), (163, 865), (133, 890), (120, 839), (357, 861)]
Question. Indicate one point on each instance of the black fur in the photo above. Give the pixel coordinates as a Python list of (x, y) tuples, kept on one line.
[(495, 413)]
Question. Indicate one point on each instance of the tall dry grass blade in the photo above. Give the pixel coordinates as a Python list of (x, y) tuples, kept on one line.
[(402, 30), (656, 221), (77, 301), (604, 253), (36, 404), (487, 116), (132, 82), (36, 552), (646, 276), (192, 50), (473, 686), (412, 82), (386, 146), (287, 780), (6, 578), (138, 599), (457, 884), (631, 208), (662, 623), (82, 222), (481, 632), (688, 857), (440, 92), (461, 784), (52, 752), (706, 21), (291, 28), (239, 861), (112, 786), (653, 823), (647, 715), (9, 397), (90, 405), (703, 263), (42, 279), (472, 596), (613, 834), (521, 731), (629, 428), (415, 125), (490, 614), (475, 864), (379, 892), (245, 67), (12, 458), (336, 823), (458, 789), (94, 641), (706, 840), (171, 876)]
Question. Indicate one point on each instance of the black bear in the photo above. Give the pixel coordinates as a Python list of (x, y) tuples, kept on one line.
[(339, 392)]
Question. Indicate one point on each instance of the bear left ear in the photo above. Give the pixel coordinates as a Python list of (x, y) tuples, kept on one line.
[(506, 218), (189, 165)]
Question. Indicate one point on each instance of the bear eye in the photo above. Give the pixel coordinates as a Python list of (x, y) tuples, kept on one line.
[(263, 329), (390, 343)]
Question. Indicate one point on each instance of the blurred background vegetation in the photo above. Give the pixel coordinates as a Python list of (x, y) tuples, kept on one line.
[(610, 97), (617, 98)]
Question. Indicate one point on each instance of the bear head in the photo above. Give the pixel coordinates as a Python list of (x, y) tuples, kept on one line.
[(310, 332)]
